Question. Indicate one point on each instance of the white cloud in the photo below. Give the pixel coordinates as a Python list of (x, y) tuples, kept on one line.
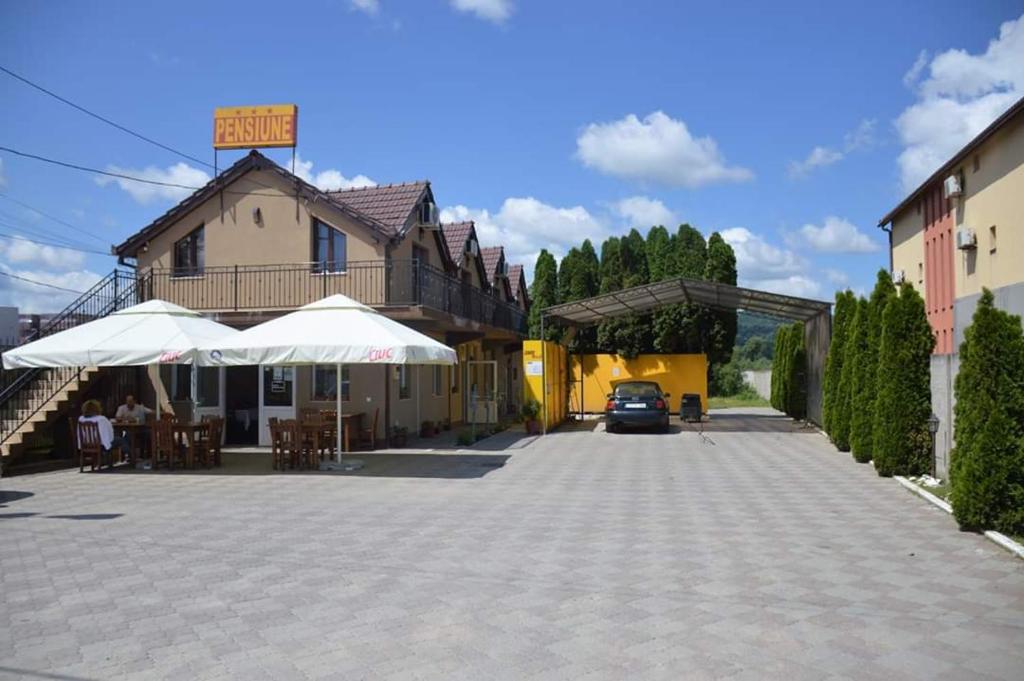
[(837, 277), (960, 96), (835, 235), (756, 259), (861, 137), (31, 298), (366, 6), (795, 285), (657, 149), (496, 11), (330, 179), (19, 251), (911, 77), (525, 225), (643, 212), (185, 176)]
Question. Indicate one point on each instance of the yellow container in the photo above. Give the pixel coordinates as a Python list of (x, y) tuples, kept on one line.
[(676, 374)]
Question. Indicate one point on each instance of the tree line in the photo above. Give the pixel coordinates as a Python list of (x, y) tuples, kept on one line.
[(877, 399), (633, 260)]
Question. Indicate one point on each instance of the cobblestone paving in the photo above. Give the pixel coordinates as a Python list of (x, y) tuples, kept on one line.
[(756, 553)]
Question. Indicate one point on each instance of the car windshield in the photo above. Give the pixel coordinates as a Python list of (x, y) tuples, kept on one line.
[(637, 391)]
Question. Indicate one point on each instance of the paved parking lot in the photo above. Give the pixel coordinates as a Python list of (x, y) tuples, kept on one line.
[(754, 552)]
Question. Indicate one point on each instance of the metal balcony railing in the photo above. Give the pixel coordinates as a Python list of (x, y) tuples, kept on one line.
[(377, 283)]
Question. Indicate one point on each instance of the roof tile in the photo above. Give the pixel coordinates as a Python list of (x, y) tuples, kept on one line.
[(455, 235), (390, 204)]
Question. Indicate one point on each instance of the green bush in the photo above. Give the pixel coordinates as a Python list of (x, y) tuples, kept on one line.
[(987, 465), (864, 393), (796, 372), (846, 305), (901, 444), (726, 380), (853, 346), (465, 438), (780, 372)]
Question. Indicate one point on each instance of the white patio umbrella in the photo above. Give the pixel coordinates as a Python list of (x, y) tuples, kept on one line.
[(154, 332), (335, 330)]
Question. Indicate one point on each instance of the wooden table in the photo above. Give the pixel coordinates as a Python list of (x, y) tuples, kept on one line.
[(133, 430), (317, 428), (188, 431)]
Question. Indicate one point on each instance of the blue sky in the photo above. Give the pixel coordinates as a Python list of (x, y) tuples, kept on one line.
[(791, 127)]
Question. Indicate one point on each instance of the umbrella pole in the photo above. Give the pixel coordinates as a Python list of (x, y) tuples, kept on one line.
[(340, 424)]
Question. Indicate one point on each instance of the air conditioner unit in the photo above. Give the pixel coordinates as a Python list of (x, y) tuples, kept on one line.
[(428, 215), (966, 238), (472, 247), (898, 276), (951, 187)]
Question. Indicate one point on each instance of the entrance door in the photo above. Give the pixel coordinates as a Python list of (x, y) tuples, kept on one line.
[(242, 401), (277, 397), (482, 393)]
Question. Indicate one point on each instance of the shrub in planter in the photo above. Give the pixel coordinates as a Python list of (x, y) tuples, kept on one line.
[(987, 465), (530, 411), (856, 339), (399, 436), (864, 393), (901, 444), (464, 438)]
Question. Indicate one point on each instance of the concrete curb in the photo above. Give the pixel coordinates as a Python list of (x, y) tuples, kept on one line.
[(993, 536)]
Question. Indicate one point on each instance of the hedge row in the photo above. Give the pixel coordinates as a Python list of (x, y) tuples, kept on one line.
[(789, 371)]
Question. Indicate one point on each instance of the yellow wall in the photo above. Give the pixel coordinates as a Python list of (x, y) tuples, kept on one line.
[(550, 389), (908, 247), (992, 198), (676, 374)]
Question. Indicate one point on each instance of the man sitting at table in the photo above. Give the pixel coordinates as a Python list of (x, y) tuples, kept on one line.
[(131, 411), (92, 413)]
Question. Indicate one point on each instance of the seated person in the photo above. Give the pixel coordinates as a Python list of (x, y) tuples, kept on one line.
[(131, 411), (91, 413)]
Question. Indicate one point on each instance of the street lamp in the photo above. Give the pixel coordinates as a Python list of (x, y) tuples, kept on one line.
[(933, 428)]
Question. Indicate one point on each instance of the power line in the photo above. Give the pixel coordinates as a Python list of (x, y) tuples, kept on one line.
[(44, 284), (103, 119), (12, 222), (51, 217), (16, 237)]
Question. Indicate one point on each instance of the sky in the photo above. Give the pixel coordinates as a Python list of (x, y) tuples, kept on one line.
[(790, 127)]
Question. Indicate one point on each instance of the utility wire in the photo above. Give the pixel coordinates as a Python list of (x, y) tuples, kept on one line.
[(59, 221), (12, 222), (17, 237), (41, 283), (103, 119)]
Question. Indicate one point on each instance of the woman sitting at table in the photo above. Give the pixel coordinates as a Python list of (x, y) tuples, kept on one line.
[(91, 413)]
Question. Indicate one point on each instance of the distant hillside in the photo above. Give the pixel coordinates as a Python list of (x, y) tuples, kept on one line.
[(750, 324)]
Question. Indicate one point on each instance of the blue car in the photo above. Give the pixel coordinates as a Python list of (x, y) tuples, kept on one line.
[(637, 403)]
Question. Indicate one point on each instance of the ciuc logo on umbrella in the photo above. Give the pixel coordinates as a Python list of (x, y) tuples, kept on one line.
[(169, 356), (381, 354)]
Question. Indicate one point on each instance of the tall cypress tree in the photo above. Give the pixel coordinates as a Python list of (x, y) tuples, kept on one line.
[(779, 368), (864, 395), (585, 283), (659, 254), (566, 272), (796, 372), (721, 267), (845, 305), (543, 293), (856, 341), (902, 444), (987, 465), (677, 328), (634, 333), (611, 280)]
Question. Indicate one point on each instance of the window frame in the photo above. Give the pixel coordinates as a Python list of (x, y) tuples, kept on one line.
[(436, 381), (346, 383), (195, 243), (404, 384), (330, 265)]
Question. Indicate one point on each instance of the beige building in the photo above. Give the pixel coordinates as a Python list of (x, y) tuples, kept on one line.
[(258, 242), (959, 232)]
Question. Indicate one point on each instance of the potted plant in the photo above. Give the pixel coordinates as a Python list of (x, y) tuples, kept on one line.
[(465, 438), (399, 436), (529, 411), (427, 429), (446, 425)]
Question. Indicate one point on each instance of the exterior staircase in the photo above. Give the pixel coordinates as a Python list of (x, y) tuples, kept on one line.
[(32, 401)]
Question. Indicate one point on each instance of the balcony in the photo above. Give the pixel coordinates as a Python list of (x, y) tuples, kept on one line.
[(280, 288)]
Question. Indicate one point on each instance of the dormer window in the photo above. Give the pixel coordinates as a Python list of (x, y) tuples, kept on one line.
[(330, 248)]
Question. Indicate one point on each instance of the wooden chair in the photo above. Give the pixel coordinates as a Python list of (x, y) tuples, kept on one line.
[(203, 451), (90, 446), (368, 436), (213, 441), (166, 448), (310, 415)]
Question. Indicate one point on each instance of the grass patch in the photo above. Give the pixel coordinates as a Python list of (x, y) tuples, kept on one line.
[(753, 400)]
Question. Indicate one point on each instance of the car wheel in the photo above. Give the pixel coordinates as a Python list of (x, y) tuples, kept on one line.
[(612, 427)]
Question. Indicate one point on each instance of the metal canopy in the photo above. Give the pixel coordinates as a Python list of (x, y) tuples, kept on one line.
[(682, 290)]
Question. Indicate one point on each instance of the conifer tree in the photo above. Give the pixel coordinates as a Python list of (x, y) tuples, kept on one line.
[(864, 395), (796, 372), (611, 280), (987, 465), (845, 306), (633, 336), (856, 338), (720, 267), (543, 293), (901, 442), (779, 371)]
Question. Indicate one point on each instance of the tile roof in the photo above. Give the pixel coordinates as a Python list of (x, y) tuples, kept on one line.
[(515, 279), (390, 204), (455, 235), (491, 257)]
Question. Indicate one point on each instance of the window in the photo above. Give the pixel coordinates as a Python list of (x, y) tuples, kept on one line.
[(278, 383), (403, 382), (188, 254), (208, 387), (325, 383), (436, 387), (330, 248), (992, 239)]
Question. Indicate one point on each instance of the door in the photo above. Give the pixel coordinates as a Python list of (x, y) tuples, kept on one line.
[(482, 393), (209, 391), (277, 397)]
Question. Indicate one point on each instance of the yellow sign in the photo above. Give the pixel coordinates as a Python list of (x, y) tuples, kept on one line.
[(247, 127)]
